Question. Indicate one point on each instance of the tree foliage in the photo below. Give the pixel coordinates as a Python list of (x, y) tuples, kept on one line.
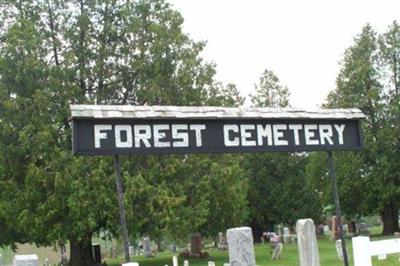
[(361, 84), (279, 192), (54, 53)]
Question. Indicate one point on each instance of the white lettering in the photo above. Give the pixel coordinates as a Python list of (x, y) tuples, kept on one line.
[(278, 134), (118, 141), (231, 142), (246, 135), (98, 135), (158, 135), (264, 132), (309, 134), (339, 130), (296, 129), (142, 135), (325, 133), (181, 139), (197, 130)]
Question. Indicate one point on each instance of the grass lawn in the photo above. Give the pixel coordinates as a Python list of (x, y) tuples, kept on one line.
[(326, 246)]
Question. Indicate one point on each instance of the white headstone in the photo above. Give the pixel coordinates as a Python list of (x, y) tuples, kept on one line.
[(1, 259), (277, 252), (326, 228), (131, 251), (382, 257), (46, 262), (307, 243), (211, 263), (185, 263), (26, 260), (339, 249), (131, 264), (286, 231), (227, 264), (240, 246), (147, 252), (174, 261)]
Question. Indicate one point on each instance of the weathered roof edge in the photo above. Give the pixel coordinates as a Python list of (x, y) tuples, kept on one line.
[(208, 112)]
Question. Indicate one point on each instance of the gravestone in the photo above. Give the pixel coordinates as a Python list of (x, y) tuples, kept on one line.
[(26, 260), (185, 263), (196, 244), (264, 237), (131, 264), (320, 230), (335, 228), (222, 242), (396, 234), (382, 257), (147, 252), (326, 229), (240, 247), (307, 243), (277, 252), (131, 250), (211, 263), (46, 262), (352, 227), (339, 250), (174, 261), (287, 238), (1, 259), (362, 229)]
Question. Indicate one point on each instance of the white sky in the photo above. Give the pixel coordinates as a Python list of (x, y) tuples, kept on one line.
[(301, 41)]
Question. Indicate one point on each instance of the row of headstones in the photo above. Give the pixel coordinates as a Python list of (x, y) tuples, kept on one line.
[(241, 249), (174, 263), (352, 227)]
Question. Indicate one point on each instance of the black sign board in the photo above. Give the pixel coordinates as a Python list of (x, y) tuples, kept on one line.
[(163, 136)]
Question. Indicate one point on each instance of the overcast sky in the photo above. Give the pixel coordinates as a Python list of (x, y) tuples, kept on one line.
[(301, 41)]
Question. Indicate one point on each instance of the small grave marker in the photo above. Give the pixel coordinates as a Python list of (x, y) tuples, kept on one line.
[(339, 249), (26, 260), (147, 248), (276, 254), (174, 261), (382, 257)]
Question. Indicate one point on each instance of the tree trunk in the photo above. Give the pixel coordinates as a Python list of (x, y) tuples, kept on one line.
[(257, 232), (390, 219), (81, 252)]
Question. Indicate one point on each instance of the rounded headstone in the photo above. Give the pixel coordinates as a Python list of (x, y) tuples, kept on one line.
[(240, 246)]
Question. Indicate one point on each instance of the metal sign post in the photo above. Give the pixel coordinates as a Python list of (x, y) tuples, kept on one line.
[(121, 205), (335, 193)]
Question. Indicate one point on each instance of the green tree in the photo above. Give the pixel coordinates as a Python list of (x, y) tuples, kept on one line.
[(53, 54), (369, 172), (278, 189), (270, 92)]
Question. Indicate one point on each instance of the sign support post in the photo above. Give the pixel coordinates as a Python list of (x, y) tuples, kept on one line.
[(121, 204), (335, 193)]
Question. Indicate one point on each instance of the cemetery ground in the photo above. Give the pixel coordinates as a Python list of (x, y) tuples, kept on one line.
[(263, 252)]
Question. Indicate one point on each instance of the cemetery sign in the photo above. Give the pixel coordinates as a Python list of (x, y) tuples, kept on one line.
[(118, 130)]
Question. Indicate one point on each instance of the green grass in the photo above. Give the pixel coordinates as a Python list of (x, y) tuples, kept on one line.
[(326, 246)]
